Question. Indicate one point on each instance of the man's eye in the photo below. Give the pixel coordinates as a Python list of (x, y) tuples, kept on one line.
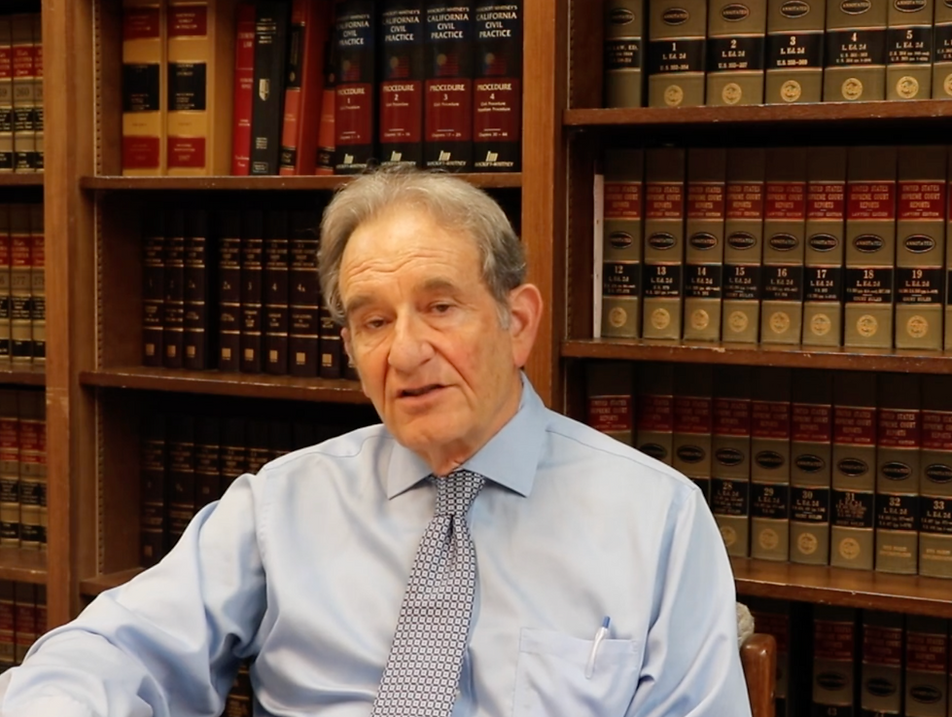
[(374, 323), (442, 307)]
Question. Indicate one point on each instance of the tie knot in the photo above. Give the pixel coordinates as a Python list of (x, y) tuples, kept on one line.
[(456, 493)]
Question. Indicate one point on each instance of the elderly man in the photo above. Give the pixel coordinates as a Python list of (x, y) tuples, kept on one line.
[(475, 555)]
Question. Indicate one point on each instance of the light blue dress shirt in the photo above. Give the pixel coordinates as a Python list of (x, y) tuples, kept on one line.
[(304, 565)]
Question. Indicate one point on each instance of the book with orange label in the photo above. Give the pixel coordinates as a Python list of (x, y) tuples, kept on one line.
[(144, 101)]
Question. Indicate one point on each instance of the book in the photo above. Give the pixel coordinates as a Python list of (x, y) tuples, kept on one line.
[(743, 244), (448, 87), (855, 57), (243, 88), (909, 50), (261, 435), (920, 240), (304, 85), (24, 93), (824, 249), (229, 290), (794, 65), (7, 632), (38, 160), (173, 303), (704, 243), (252, 268), (770, 465), (854, 471), (401, 70), (153, 287), (304, 299), (624, 59), (196, 323), (6, 95), (271, 39), (693, 422), (677, 52), (621, 243), (153, 522), (38, 283), (201, 65), (234, 450), (31, 405), (781, 311), (497, 86), (736, 48), (774, 617), (21, 285), (935, 487), (835, 650), (24, 620), (326, 128), (881, 671), (654, 414), (870, 247), (143, 87), (275, 294), (942, 51), (610, 388), (331, 344), (926, 666), (663, 254), (9, 469), (207, 460), (180, 437), (5, 298), (355, 110), (730, 467)]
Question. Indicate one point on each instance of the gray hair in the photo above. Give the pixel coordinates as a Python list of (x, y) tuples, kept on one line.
[(452, 203)]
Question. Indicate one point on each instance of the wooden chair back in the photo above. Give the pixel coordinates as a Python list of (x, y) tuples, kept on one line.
[(758, 655)]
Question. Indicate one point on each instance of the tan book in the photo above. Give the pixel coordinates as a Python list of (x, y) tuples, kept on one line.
[(730, 467), (735, 46), (935, 501), (24, 94), (881, 682), (794, 66), (704, 245), (870, 247), (743, 244), (926, 666), (824, 249), (39, 160), (6, 95), (201, 57), (676, 52), (855, 50), (781, 311), (655, 411), (770, 464), (909, 50), (621, 243), (144, 94), (693, 415), (664, 243), (920, 241), (610, 393), (834, 653), (624, 53), (942, 50)]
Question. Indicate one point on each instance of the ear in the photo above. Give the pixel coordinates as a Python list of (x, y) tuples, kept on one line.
[(525, 312)]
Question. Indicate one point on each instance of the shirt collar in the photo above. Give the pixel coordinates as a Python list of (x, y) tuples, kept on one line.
[(509, 458)]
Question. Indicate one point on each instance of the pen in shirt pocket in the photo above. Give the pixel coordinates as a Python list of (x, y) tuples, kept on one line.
[(600, 635)]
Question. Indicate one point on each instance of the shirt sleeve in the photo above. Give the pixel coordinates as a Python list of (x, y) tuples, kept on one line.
[(166, 643), (692, 663)]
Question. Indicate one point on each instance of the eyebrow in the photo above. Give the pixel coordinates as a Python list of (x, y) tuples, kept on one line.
[(432, 285)]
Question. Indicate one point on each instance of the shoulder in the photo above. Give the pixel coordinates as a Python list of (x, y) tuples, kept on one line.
[(357, 445)]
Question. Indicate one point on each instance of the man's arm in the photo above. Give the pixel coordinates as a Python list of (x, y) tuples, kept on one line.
[(168, 642), (692, 663)]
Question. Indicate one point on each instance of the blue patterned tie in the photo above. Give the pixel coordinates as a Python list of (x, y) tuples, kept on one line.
[(426, 657)]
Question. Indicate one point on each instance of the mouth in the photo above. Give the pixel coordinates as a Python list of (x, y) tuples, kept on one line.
[(420, 391)]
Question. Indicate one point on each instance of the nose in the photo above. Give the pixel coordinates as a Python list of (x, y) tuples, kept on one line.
[(409, 348)]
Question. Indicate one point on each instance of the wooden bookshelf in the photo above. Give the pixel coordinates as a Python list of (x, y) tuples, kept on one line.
[(23, 375), (25, 566), (511, 180), (91, 587), (25, 179)]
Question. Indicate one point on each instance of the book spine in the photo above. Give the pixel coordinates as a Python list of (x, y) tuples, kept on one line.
[(610, 399), (24, 624), (252, 255), (730, 467), (693, 422), (196, 319), (271, 38), (143, 87), (173, 305), (21, 266), (244, 89), (448, 88), (854, 474), (811, 458), (181, 474), (743, 245), (935, 520), (7, 630), (497, 88), (623, 57), (354, 111), (234, 451), (189, 70), (304, 299), (40, 404), (38, 161), (781, 312), (262, 438), (909, 50), (400, 126), (942, 51), (926, 666), (622, 243), (6, 95), (881, 672), (153, 288), (824, 249), (654, 427), (663, 250), (677, 50), (331, 348), (207, 460), (855, 58), (9, 469), (38, 283), (704, 245), (834, 654), (920, 240), (154, 519), (32, 466), (870, 247), (736, 48), (24, 102), (6, 347), (770, 432), (229, 290), (276, 309), (326, 127), (794, 65)]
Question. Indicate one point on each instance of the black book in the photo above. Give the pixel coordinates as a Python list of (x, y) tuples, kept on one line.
[(252, 252), (197, 263), (173, 313), (154, 520), (153, 287), (276, 292), (272, 19), (229, 290), (304, 295)]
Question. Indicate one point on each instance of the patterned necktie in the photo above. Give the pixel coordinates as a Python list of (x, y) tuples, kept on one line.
[(426, 657)]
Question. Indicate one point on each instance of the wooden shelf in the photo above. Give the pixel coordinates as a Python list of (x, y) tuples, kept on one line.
[(226, 384), (865, 112), (840, 586), (91, 587), (25, 566), (273, 183), (22, 376), (896, 360), (26, 179)]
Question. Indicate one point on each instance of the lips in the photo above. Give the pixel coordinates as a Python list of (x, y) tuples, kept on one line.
[(420, 391)]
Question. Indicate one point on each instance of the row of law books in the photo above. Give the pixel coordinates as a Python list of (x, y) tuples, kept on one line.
[(850, 469), (301, 87), (188, 461), (22, 285), (21, 93), (725, 52), (22, 620), (840, 661), (237, 290), (820, 246), (23, 512)]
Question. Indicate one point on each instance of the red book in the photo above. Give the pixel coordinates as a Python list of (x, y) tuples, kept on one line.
[(304, 88), (244, 85), (326, 131), (401, 83)]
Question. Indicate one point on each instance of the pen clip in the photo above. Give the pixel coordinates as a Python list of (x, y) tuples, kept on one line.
[(600, 635)]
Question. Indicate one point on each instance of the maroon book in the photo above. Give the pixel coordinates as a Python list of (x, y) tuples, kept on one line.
[(153, 287), (304, 295), (276, 292), (401, 83), (229, 289), (173, 314), (252, 254), (196, 320)]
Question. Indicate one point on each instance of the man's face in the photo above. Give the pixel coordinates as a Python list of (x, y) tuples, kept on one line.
[(424, 333)]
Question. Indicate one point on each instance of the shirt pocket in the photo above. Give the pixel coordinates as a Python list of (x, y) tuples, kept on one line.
[(551, 681)]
